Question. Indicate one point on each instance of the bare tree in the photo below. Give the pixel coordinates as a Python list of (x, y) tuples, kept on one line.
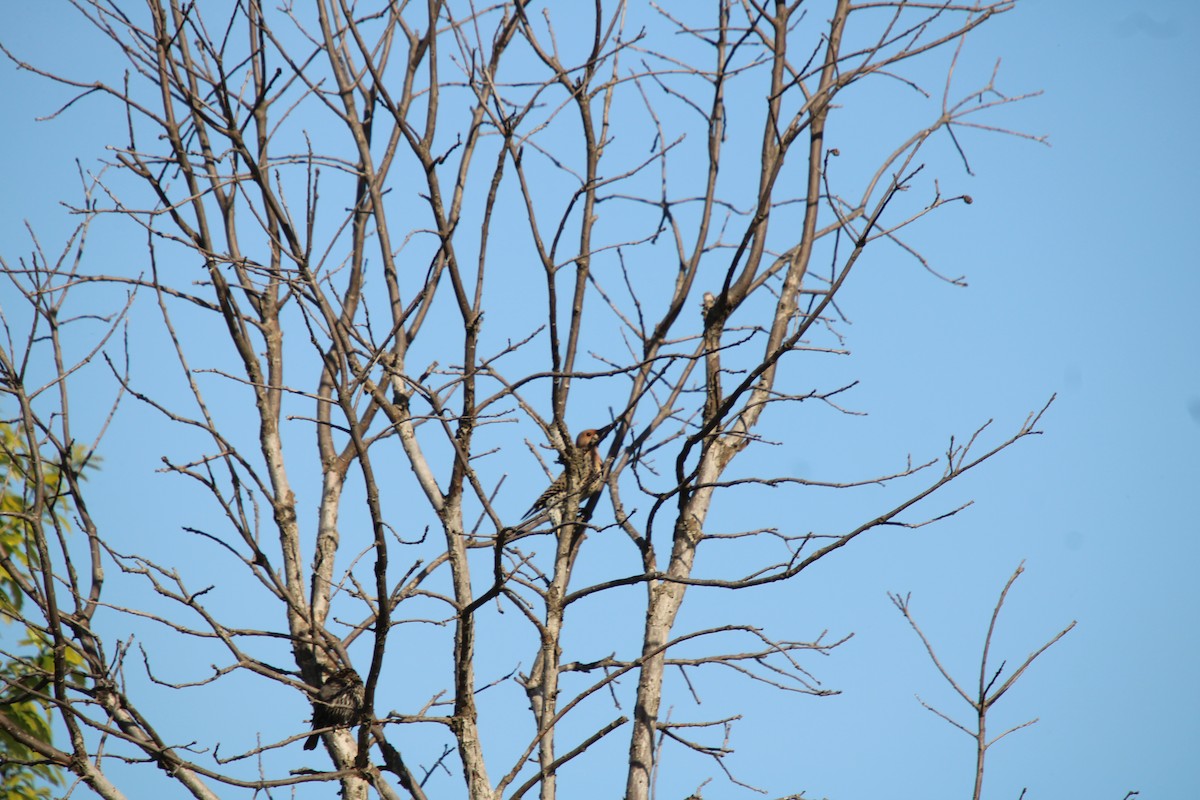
[(987, 693), (414, 235)]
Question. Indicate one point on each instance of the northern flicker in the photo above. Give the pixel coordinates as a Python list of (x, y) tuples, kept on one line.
[(586, 469), (338, 704)]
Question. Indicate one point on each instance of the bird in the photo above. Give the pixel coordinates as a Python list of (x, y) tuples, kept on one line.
[(586, 471), (338, 703)]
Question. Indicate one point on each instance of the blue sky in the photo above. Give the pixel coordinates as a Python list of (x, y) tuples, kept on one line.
[(1083, 283)]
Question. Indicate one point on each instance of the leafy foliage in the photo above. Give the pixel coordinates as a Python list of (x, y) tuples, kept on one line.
[(25, 670)]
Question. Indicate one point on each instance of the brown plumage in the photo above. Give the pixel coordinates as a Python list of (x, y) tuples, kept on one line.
[(338, 704), (587, 474)]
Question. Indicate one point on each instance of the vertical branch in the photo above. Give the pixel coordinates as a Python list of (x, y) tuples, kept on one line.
[(986, 697)]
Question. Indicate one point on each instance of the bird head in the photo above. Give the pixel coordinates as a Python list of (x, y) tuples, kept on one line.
[(589, 438)]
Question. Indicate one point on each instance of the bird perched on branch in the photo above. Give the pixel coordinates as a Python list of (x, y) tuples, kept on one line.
[(338, 704), (583, 476)]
